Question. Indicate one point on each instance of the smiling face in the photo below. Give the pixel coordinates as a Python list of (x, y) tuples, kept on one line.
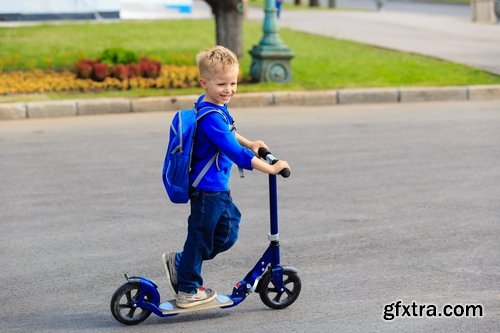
[(220, 86)]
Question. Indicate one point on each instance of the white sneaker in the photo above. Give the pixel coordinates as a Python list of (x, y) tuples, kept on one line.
[(202, 296)]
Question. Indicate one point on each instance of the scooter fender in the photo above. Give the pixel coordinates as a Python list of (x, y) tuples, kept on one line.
[(149, 288), (290, 269)]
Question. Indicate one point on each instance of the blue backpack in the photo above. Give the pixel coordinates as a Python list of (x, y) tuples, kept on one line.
[(177, 162)]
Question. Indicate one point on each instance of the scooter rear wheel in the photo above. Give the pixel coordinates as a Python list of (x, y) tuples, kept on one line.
[(276, 299), (123, 304)]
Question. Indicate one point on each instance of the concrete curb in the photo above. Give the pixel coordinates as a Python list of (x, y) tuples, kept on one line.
[(51, 109), (68, 108), (434, 94), (363, 96)]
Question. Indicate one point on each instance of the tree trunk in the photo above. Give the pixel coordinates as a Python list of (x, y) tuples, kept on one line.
[(314, 3), (229, 16)]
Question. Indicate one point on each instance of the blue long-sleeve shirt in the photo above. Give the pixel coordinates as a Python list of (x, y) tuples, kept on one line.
[(213, 134)]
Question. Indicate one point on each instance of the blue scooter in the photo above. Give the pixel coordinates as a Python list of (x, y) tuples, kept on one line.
[(278, 285)]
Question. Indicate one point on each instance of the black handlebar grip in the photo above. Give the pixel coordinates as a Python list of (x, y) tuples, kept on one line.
[(285, 173), (264, 153)]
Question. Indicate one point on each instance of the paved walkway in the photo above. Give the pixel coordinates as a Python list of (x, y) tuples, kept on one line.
[(450, 37)]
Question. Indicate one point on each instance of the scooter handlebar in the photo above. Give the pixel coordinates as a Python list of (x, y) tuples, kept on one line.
[(266, 154)]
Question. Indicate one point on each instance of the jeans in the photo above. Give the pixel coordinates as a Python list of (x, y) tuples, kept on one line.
[(212, 228)]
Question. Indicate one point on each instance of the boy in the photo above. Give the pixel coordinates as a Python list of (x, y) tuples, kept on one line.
[(214, 220)]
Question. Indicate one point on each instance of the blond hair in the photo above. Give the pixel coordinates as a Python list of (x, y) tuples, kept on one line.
[(215, 60)]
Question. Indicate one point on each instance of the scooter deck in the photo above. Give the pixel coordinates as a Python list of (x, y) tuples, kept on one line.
[(169, 307)]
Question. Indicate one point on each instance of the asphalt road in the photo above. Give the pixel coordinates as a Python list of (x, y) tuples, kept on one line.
[(385, 203)]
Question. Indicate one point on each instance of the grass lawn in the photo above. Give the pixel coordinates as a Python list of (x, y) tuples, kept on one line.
[(335, 64)]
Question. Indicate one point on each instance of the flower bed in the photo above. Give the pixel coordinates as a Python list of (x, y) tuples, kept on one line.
[(39, 81)]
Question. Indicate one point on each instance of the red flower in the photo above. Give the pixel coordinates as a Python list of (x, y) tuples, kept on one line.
[(100, 71), (120, 72), (150, 68), (134, 70), (84, 69)]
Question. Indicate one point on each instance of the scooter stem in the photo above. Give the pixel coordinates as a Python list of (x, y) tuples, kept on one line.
[(273, 208)]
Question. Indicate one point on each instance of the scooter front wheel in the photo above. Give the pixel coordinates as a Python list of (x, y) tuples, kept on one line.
[(124, 304), (279, 299)]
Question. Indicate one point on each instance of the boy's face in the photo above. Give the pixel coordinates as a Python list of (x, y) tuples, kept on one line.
[(219, 88)]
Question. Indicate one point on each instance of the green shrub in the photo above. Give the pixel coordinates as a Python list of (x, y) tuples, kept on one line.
[(118, 56)]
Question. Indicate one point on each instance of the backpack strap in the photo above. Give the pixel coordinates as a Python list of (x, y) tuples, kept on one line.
[(206, 110), (204, 171), (232, 129), (200, 114)]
